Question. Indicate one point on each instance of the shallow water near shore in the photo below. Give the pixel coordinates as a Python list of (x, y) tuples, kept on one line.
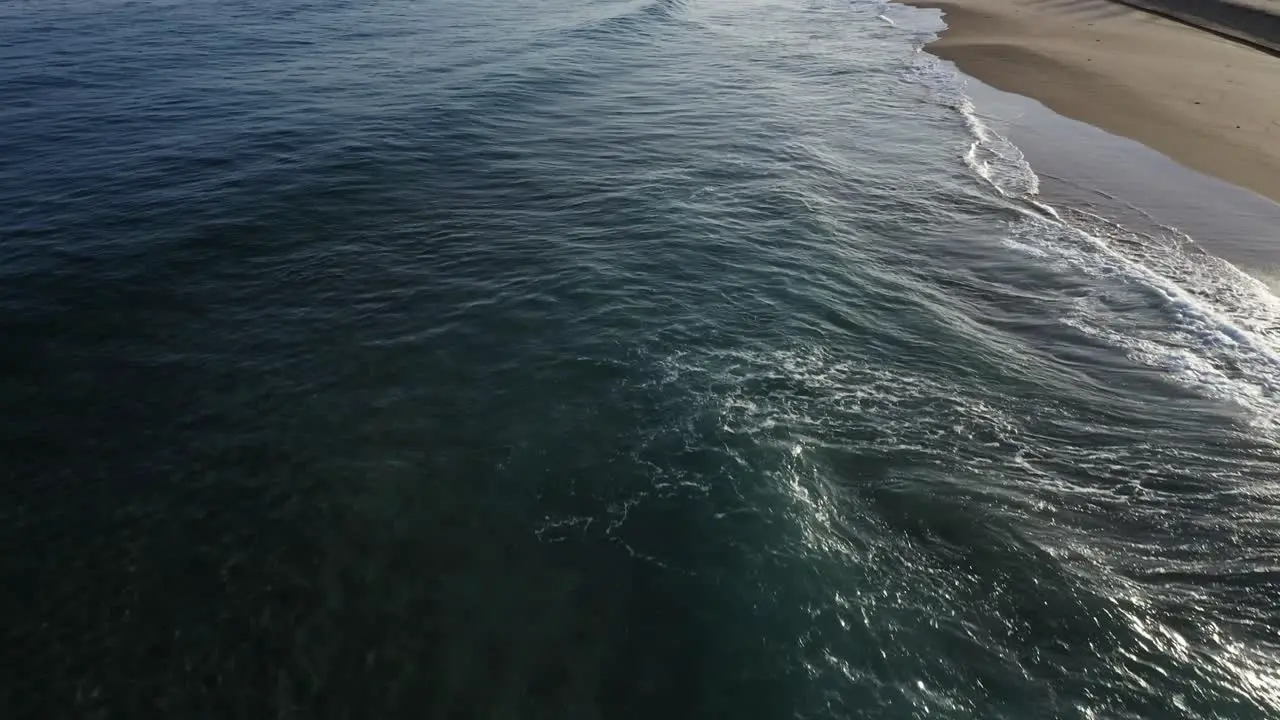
[(607, 359), (1083, 167)]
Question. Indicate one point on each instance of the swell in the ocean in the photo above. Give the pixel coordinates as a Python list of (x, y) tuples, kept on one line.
[(621, 359)]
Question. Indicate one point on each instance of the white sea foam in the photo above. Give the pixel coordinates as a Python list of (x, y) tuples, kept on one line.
[(1210, 326)]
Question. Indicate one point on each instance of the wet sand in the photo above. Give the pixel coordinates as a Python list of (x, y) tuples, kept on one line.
[(1210, 103), (1085, 167)]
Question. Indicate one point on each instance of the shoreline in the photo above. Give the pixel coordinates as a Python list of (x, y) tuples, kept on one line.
[(1208, 103), (1085, 167)]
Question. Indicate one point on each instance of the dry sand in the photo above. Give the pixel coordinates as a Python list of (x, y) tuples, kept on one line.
[(1210, 103)]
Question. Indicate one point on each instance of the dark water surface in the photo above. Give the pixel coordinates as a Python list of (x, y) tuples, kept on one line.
[(598, 359)]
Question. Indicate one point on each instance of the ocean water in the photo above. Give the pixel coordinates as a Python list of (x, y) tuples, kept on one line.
[(599, 359)]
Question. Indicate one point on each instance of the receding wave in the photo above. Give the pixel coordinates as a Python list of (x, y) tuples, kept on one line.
[(1171, 306)]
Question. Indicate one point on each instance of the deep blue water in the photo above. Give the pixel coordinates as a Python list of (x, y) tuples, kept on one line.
[(598, 359)]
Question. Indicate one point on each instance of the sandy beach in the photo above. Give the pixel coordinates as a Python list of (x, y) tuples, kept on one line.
[(1210, 103)]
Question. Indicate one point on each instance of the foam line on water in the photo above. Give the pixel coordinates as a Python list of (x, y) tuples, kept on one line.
[(1213, 329), (1216, 330)]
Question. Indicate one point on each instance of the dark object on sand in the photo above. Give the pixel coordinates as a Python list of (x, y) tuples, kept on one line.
[(1246, 21)]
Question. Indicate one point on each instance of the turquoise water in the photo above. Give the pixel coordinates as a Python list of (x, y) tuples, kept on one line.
[(559, 359)]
